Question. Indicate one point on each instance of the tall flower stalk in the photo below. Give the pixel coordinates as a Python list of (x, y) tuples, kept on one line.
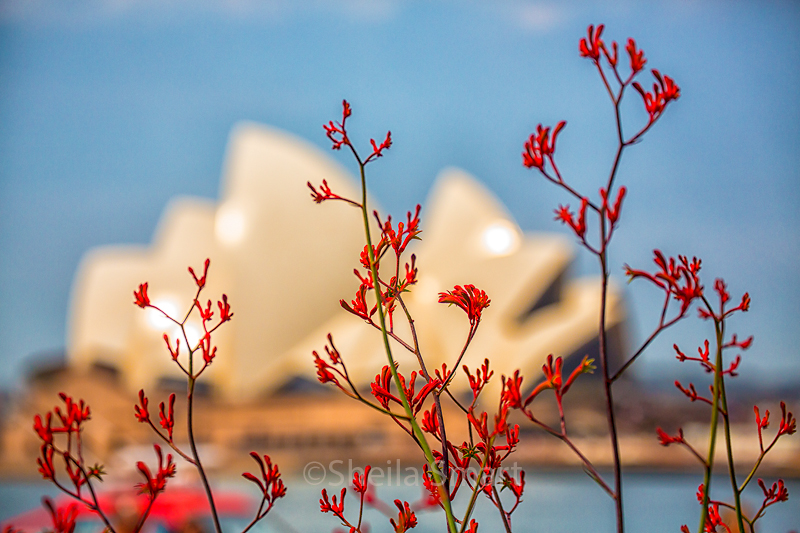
[(491, 438), (716, 364), (270, 486), (338, 134), (677, 278), (539, 154), (75, 414), (444, 467)]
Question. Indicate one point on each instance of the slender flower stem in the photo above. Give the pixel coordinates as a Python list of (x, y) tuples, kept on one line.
[(561, 183), (727, 428), (756, 465), (417, 431), (695, 453), (191, 379), (661, 327), (170, 443), (361, 505), (258, 514), (436, 400), (145, 514), (474, 496), (587, 464), (603, 340), (593, 473), (353, 393), (503, 516), (614, 168), (193, 445), (607, 382), (471, 334), (605, 81), (398, 339), (93, 506), (712, 438)]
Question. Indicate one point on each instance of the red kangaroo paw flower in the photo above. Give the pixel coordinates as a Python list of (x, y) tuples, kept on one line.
[(540, 146), (361, 483), (167, 418), (377, 150), (337, 508), (788, 423), (469, 298), (201, 281), (155, 484), (270, 484), (665, 439), (565, 216), (592, 45), (224, 309), (142, 415), (140, 297), (63, 518), (637, 56), (406, 519), (777, 493), (336, 131)]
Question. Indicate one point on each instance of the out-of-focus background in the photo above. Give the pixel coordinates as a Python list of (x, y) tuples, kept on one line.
[(109, 109)]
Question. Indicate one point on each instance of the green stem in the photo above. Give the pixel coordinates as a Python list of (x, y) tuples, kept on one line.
[(712, 437), (752, 473), (727, 427), (474, 495), (417, 431)]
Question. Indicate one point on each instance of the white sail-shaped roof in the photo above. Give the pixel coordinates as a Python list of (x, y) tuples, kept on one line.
[(285, 262)]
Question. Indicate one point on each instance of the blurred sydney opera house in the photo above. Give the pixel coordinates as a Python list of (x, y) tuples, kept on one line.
[(285, 263)]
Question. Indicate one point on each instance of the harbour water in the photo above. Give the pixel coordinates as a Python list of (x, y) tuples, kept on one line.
[(554, 502)]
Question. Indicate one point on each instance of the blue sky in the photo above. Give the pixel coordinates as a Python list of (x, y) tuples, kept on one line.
[(109, 108)]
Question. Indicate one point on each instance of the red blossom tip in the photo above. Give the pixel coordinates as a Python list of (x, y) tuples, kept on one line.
[(664, 91), (591, 45), (469, 298), (665, 439), (361, 483), (142, 414), (201, 281), (678, 278), (63, 518), (140, 297), (540, 146), (565, 216), (224, 309), (406, 519), (637, 56), (336, 131), (377, 150), (270, 484), (788, 425)]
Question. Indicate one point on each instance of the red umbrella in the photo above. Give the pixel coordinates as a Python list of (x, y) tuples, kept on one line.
[(173, 509)]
